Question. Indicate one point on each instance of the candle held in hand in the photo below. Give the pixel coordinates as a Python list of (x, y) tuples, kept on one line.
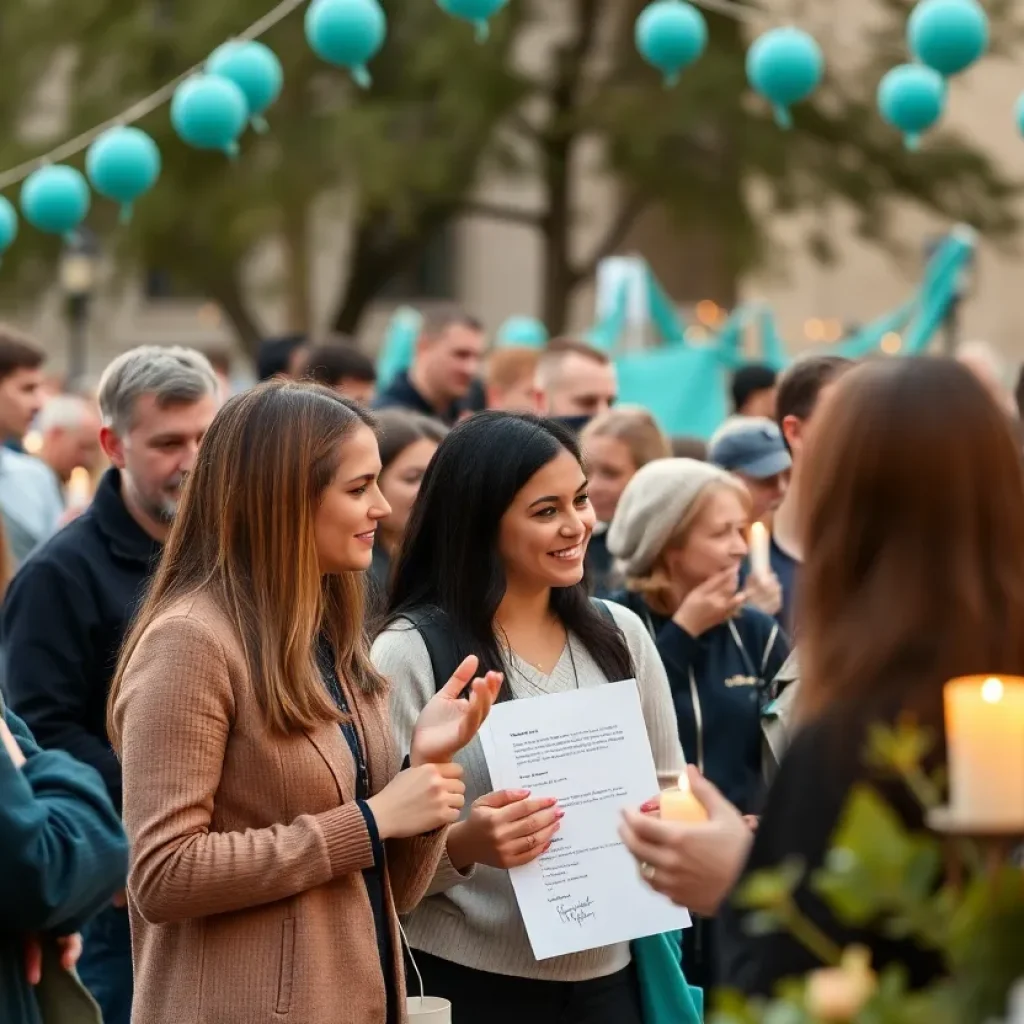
[(985, 743), (79, 489), (760, 558), (680, 804)]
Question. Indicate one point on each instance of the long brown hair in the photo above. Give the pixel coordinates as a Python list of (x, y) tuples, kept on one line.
[(244, 537), (912, 511)]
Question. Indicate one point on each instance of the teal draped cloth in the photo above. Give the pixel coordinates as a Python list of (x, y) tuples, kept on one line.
[(664, 992)]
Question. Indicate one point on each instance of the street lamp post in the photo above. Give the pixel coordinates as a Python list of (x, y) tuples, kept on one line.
[(78, 264)]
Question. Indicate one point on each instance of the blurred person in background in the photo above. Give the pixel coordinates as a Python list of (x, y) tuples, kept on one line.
[(801, 388), (680, 534), (752, 448), (219, 357), (69, 430), (615, 445), (282, 357), (68, 608), (753, 391), (574, 382), (508, 379), (340, 365), (446, 363), (407, 444), (30, 497)]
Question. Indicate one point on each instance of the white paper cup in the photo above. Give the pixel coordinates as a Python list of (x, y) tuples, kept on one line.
[(429, 1009)]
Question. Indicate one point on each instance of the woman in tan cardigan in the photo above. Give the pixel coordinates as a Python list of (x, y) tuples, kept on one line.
[(273, 835)]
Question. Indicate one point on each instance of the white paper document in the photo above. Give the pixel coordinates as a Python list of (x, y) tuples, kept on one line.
[(589, 749)]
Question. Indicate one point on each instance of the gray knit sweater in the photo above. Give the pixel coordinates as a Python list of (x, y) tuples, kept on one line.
[(473, 919)]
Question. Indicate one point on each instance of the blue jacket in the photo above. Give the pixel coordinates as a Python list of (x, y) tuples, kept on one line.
[(719, 686), (63, 855)]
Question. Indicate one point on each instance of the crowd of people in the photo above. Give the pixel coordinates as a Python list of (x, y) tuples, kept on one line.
[(243, 676)]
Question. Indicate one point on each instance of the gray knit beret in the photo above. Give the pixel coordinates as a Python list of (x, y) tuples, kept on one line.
[(652, 507)]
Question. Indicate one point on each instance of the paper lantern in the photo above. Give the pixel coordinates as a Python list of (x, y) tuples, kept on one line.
[(671, 35), (523, 330), (911, 98), (8, 224), (255, 69), (948, 35), (209, 112), (55, 199), (122, 164), (476, 11), (346, 33), (785, 66)]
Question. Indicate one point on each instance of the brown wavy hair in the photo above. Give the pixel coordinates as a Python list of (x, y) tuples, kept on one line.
[(243, 536), (912, 509)]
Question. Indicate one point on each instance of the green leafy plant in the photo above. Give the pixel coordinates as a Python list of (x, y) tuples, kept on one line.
[(880, 875)]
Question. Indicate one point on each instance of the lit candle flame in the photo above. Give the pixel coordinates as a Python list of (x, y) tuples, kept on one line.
[(684, 783), (992, 691)]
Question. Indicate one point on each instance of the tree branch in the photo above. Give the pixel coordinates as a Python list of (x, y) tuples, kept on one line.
[(496, 211), (630, 208)]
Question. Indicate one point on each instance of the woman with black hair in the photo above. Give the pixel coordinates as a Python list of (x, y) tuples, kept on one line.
[(493, 562)]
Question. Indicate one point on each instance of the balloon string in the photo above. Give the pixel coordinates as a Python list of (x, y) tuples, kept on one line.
[(145, 106)]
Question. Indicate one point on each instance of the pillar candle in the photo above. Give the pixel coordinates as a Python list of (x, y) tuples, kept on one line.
[(679, 804), (760, 560), (79, 489), (985, 738)]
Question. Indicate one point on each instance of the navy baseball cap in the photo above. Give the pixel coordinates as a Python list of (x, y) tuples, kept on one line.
[(750, 445)]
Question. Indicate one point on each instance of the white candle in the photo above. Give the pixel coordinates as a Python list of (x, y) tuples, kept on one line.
[(760, 559), (79, 489), (985, 743), (680, 804)]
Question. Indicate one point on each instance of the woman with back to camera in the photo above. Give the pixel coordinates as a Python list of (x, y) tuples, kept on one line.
[(615, 445), (912, 517), (273, 835), (494, 555), (407, 444)]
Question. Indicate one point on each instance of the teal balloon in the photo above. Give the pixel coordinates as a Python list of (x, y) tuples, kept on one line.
[(785, 65), (209, 112), (911, 98), (523, 330), (948, 35), (346, 33), (670, 35), (8, 224), (122, 164), (55, 199), (255, 69), (476, 11)]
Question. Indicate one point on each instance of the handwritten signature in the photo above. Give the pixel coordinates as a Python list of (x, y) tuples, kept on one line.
[(577, 914)]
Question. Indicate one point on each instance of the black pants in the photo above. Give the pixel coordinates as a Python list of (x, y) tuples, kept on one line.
[(479, 997)]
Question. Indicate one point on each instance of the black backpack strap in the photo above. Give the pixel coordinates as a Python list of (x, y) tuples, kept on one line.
[(606, 612), (432, 625)]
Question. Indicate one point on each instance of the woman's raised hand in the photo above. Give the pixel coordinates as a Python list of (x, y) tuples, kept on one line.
[(505, 829), (764, 592), (711, 603), (419, 800), (450, 721)]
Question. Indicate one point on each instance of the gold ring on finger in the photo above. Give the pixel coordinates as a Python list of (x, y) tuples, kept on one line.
[(647, 872)]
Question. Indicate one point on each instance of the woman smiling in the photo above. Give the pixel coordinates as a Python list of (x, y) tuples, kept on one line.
[(493, 562)]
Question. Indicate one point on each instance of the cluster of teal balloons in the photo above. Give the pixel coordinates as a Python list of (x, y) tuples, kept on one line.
[(210, 110), (784, 65), (945, 37)]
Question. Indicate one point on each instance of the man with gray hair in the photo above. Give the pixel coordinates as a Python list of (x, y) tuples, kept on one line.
[(70, 605), (69, 427)]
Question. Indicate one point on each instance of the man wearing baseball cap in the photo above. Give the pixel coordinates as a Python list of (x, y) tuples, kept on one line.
[(752, 448)]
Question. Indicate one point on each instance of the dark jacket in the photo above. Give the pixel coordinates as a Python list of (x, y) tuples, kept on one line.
[(600, 565), (64, 618), (63, 855), (719, 686), (400, 394), (824, 761)]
